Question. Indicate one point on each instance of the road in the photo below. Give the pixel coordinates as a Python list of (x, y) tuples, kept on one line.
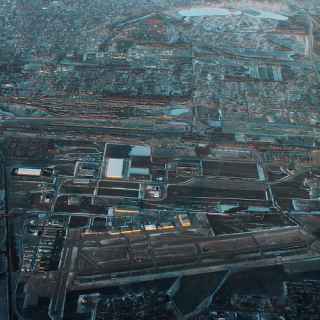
[(4, 305), (6, 309), (81, 283), (66, 266)]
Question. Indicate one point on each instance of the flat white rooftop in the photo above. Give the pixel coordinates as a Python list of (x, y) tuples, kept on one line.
[(114, 168), (28, 172)]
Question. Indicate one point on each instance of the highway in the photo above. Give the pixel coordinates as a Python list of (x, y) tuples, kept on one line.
[(9, 260), (174, 251), (91, 282), (66, 265)]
